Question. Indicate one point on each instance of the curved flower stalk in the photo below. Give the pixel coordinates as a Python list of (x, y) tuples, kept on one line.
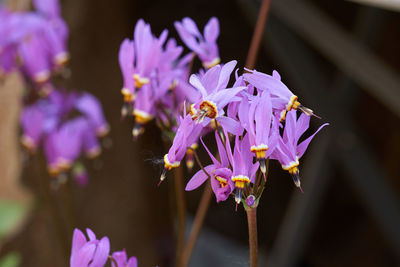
[(283, 100), (205, 46), (95, 253), (288, 150)]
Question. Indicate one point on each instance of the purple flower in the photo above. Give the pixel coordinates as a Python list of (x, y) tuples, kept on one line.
[(122, 260), (89, 253), (220, 174), (49, 8), (90, 106), (256, 117), (126, 59), (63, 146), (215, 96), (32, 123), (205, 46), (35, 59), (288, 151), (186, 134), (283, 100), (244, 169)]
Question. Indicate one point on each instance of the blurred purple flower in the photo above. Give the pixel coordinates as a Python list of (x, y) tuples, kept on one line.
[(89, 253), (204, 46), (122, 260), (90, 106)]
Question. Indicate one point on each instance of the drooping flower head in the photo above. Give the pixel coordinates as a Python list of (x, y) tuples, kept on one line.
[(66, 125), (205, 46), (243, 168), (288, 150), (186, 134), (256, 116), (219, 172), (283, 100)]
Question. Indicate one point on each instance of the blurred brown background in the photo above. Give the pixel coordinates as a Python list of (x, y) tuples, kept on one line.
[(342, 59)]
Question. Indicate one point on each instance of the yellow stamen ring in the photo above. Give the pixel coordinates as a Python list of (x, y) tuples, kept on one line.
[(173, 85), (292, 166), (63, 164), (28, 142), (141, 116), (210, 109), (41, 76), (193, 112), (210, 64), (283, 115), (61, 58), (291, 102), (240, 181), (140, 81), (259, 150), (222, 181), (168, 165), (128, 96), (194, 146)]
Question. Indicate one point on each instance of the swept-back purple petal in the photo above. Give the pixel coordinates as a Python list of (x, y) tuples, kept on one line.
[(301, 148), (225, 74), (211, 30), (199, 178)]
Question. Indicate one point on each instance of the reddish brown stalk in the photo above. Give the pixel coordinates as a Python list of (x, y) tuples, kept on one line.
[(181, 214), (258, 31), (252, 222), (198, 222)]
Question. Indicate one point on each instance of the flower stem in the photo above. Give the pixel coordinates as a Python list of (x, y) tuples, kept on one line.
[(197, 224), (181, 214), (255, 41), (252, 222)]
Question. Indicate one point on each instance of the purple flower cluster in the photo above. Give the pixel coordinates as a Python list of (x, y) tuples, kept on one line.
[(65, 124), (256, 112), (33, 42), (50, 123), (261, 117), (96, 253), (155, 73)]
